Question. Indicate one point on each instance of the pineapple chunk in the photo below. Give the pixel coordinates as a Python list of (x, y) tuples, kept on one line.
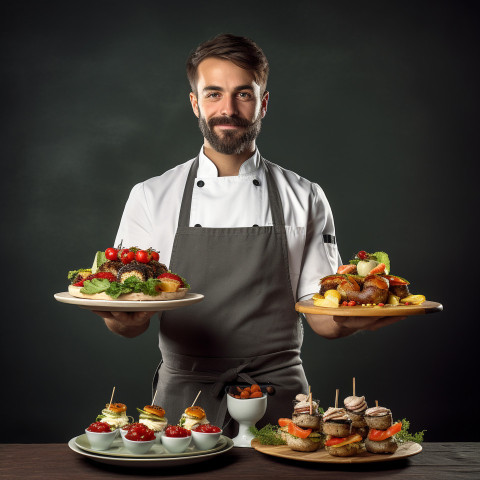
[(333, 294), (326, 302), (393, 299), (414, 299)]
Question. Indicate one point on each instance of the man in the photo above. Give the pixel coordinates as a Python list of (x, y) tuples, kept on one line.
[(249, 235)]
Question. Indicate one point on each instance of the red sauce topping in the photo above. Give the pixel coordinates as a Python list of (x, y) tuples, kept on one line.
[(174, 431), (207, 428), (140, 433), (99, 427)]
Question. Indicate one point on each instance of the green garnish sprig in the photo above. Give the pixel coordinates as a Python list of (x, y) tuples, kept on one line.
[(404, 436), (268, 435)]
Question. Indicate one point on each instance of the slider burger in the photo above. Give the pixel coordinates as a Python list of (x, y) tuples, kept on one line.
[(153, 417), (355, 408), (115, 414), (193, 417), (298, 438), (302, 415), (340, 442), (381, 430)]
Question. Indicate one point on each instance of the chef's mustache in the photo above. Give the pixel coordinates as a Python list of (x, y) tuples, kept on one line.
[(235, 121)]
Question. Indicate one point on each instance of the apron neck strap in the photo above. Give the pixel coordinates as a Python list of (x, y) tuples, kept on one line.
[(273, 195)]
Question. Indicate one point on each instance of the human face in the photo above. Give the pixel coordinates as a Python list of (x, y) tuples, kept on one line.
[(229, 106)]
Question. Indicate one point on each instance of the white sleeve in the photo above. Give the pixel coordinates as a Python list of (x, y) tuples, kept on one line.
[(320, 256), (135, 228)]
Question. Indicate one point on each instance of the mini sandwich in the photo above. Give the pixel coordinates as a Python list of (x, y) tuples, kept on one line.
[(193, 417), (153, 417), (306, 415), (115, 414), (355, 408), (340, 441), (381, 431), (301, 439)]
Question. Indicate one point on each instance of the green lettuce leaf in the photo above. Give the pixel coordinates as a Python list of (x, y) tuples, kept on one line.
[(95, 285)]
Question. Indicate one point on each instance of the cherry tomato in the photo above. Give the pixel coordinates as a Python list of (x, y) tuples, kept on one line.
[(352, 303), (345, 303), (111, 253), (362, 254), (127, 256), (155, 255), (142, 256)]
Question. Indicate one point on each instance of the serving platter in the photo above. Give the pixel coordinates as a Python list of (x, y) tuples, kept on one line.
[(307, 306), (157, 451), (321, 456), (161, 459), (128, 305)]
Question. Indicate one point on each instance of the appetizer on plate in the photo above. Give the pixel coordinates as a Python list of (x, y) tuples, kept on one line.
[(153, 417), (127, 274), (193, 417), (340, 441), (381, 430), (114, 414), (355, 407), (366, 281)]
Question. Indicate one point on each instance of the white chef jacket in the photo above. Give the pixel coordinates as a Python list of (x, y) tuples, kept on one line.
[(151, 214)]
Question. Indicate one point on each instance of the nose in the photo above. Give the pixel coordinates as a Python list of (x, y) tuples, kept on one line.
[(229, 106)]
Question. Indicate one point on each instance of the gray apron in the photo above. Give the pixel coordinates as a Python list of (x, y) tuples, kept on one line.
[(245, 330)]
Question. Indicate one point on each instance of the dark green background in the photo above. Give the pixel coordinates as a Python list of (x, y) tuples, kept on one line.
[(375, 101)]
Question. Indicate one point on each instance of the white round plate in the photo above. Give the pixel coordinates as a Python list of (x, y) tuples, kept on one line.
[(164, 461), (127, 305)]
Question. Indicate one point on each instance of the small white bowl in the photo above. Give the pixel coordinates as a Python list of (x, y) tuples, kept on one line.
[(123, 432), (176, 444), (205, 441), (101, 440), (138, 447)]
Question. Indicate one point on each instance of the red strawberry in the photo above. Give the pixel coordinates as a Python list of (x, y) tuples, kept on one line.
[(172, 276)]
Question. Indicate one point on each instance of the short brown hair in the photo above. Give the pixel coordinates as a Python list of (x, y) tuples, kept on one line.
[(241, 51)]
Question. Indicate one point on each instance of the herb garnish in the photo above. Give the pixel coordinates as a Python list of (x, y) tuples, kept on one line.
[(268, 435), (404, 436)]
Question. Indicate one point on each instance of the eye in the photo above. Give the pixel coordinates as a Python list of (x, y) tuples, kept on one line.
[(245, 95), (212, 95)]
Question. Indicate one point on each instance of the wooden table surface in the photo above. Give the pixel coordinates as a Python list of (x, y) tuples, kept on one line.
[(56, 461)]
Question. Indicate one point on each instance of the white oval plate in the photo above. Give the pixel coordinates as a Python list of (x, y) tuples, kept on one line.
[(150, 462), (128, 305)]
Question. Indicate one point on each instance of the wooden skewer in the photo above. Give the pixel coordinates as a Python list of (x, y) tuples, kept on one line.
[(198, 394), (336, 398), (111, 399), (310, 398), (376, 403), (153, 399), (353, 386)]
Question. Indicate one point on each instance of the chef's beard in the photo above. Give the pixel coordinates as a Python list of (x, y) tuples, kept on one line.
[(230, 142)]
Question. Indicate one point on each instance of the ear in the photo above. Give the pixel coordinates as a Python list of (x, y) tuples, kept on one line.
[(265, 98), (194, 103)]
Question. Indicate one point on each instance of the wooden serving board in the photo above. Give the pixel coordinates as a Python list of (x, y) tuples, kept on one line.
[(307, 306), (321, 456)]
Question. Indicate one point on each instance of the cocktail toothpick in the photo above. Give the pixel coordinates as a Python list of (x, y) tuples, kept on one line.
[(376, 403), (353, 386), (111, 399), (310, 398), (336, 398), (198, 394), (153, 399)]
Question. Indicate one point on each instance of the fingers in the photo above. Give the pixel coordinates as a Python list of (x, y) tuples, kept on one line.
[(366, 323), (126, 318)]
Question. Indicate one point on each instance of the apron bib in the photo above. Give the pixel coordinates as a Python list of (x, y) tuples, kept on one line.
[(245, 330)]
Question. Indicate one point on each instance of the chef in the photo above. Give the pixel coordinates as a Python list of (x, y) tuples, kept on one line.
[(251, 236)]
